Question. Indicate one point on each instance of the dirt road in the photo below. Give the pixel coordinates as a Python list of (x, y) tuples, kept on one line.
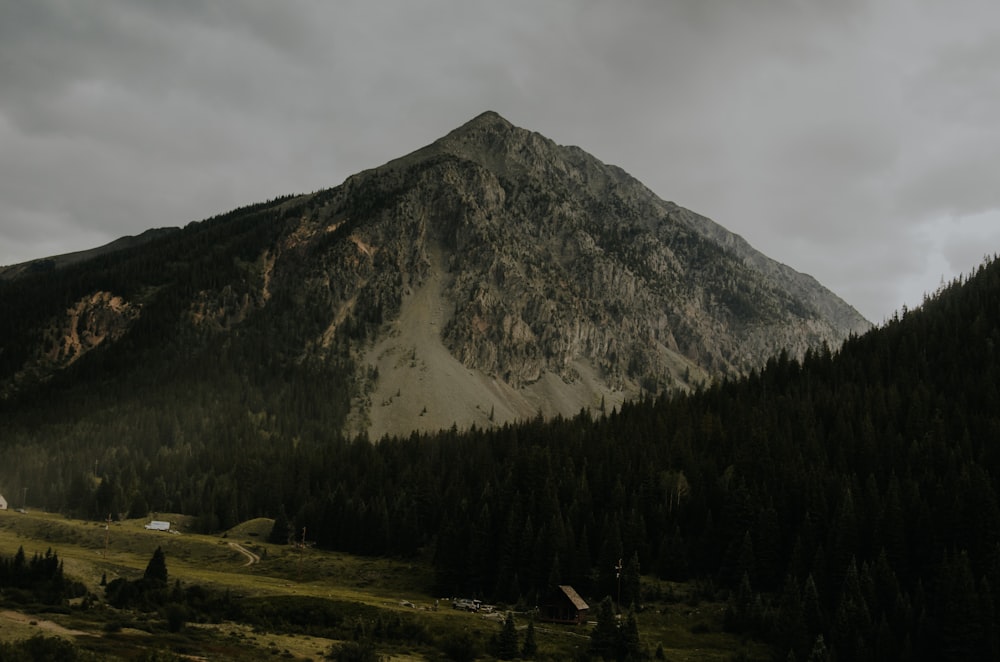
[(251, 557)]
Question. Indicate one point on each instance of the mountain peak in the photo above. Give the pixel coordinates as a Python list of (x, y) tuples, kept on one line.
[(487, 130), (485, 139), (495, 143), (488, 118)]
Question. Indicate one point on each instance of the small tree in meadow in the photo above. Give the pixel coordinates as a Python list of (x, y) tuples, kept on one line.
[(156, 570)]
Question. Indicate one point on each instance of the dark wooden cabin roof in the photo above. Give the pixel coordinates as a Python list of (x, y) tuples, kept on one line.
[(574, 597)]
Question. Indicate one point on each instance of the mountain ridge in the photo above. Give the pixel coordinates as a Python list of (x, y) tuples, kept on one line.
[(58, 261), (558, 283), (500, 154)]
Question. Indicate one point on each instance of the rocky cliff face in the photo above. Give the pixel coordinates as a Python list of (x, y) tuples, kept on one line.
[(494, 274), (66, 338), (550, 270)]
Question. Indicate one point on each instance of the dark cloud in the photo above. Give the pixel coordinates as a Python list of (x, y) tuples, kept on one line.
[(855, 141)]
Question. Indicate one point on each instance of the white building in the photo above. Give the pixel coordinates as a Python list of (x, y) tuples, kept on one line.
[(3, 503), (156, 525)]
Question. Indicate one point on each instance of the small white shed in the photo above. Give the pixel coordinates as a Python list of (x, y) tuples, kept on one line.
[(3, 503), (157, 525)]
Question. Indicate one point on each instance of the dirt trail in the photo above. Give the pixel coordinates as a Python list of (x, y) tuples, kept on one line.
[(251, 557)]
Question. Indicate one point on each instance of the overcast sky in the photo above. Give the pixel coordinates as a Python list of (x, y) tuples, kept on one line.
[(857, 141)]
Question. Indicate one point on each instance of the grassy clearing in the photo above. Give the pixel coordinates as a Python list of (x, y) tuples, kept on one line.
[(286, 579)]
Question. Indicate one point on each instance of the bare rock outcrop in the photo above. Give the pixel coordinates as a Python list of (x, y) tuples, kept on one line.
[(552, 260)]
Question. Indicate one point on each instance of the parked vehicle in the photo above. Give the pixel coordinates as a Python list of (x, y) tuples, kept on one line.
[(465, 604)]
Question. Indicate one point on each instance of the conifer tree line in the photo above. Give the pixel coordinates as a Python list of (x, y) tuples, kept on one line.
[(852, 496), (38, 579)]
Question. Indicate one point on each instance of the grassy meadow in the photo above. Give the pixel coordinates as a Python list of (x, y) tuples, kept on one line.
[(301, 603)]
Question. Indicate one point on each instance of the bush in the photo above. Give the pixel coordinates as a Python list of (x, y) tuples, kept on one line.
[(177, 616), (112, 627), (460, 647), (355, 651), (41, 649)]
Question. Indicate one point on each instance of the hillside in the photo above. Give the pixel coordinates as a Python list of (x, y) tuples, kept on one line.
[(846, 504), (488, 277)]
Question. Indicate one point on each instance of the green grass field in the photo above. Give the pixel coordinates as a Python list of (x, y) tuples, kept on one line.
[(365, 589)]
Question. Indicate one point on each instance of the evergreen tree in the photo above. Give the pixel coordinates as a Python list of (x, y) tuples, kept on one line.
[(631, 581), (740, 614), (812, 610), (555, 575), (530, 647), (507, 645), (852, 622), (604, 636), (177, 616), (959, 611), (766, 548), (610, 562), (672, 559), (281, 532), (628, 637), (156, 569), (790, 626), (988, 615), (139, 507), (819, 651)]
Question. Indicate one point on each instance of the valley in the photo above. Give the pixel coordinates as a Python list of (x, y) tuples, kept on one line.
[(687, 627)]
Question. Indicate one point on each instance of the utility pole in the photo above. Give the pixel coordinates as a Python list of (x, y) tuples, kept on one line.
[(618, 576), (107, 535), (302, 551)]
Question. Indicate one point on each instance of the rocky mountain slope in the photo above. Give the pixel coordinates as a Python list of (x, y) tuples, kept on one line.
[(490, 276)]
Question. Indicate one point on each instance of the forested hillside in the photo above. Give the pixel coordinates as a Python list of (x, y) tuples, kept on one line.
[(852, 495)]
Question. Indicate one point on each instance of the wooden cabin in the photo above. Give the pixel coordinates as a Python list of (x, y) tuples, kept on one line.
[(563, 605)]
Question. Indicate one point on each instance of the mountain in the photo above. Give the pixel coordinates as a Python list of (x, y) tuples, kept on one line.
[(490, 276)]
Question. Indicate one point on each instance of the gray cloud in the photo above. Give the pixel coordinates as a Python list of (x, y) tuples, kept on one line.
[(855, 141)]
